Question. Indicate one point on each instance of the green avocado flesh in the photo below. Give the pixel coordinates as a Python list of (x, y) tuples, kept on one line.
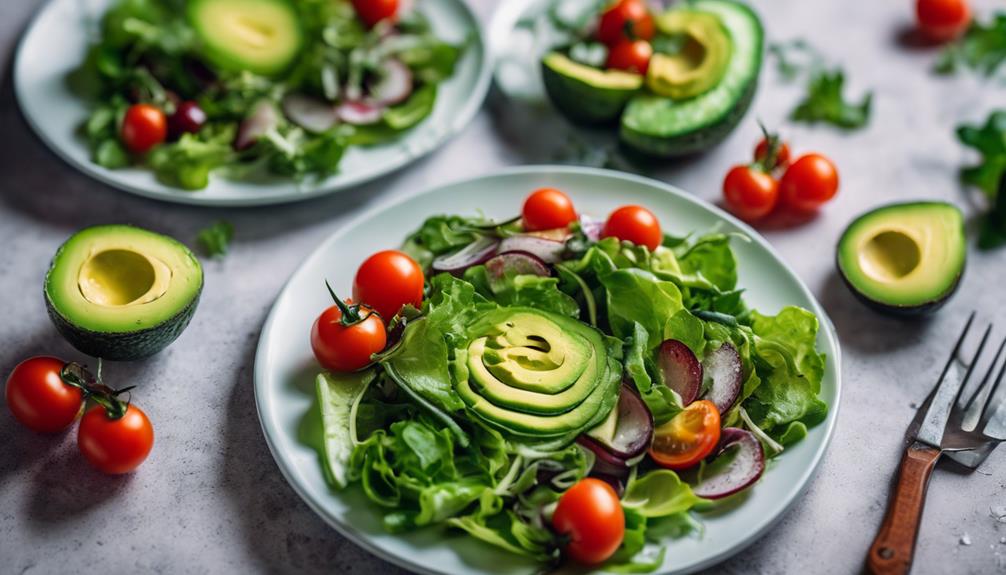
[(260, 36), (700, 62), (904, 258), (120, 292), (587, 94), (536, 374), (663, 126)]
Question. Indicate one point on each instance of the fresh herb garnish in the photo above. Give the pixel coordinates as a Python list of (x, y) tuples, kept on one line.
[(795, 57), (989, 175), (824, 102), (982, 49), (216, 238)]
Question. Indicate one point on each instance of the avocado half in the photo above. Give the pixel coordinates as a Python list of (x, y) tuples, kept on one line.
[(260, 36), (904, 259), (122, 293)]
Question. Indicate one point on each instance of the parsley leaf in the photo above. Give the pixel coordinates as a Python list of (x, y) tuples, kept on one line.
[(795, 57), (982, 49), (993, 232), (824, 102), (216, 238), (990, 141)]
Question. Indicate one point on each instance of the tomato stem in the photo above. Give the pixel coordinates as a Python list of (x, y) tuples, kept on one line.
[(350, 312), (774, 145), (77, 375)]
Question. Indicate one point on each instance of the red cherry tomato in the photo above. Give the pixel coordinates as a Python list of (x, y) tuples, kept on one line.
[(346, 348), (38, 397), (943, 20), (688, 438), (810, 182), (781, 157), (631, 56), (115, 446), (187, 119), (547, 209), (388, 280), (373, 11), (591, 515), (749, 193), (625, 20), (143, 127), (635, 224)]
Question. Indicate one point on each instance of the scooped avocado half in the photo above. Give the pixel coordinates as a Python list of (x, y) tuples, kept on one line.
[(122, 293), (698, 65), (586, 94), (536, 374), (904, 259), (260, 36)]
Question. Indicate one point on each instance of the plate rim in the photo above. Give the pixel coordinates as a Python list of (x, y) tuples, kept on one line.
[(461, 120), (802, 482)]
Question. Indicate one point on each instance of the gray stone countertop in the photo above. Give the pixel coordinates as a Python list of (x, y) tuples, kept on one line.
[(210, 498)]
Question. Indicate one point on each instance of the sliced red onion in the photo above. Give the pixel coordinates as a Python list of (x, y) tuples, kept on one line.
[(262, 118), (516, 263), (394, 83), (312, 114), (633, 427), (591, 227), (473, 254), (549, 251), (616, 481), (680, 369), (724, 367), (745, 468), (359, 113)]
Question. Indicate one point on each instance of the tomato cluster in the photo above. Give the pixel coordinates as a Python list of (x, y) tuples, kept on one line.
[(626, 27), (752, 191), (47, 395), (145, 126)]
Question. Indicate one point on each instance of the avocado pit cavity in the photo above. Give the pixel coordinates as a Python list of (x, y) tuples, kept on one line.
[(890, 256), (121, 277)]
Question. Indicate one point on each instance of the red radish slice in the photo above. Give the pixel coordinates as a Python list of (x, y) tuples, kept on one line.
[(605, 462), (473, 254), (312, 114), (680, 369), (549, 251), (359, 113), (591, 227), (745, 468), (633, 430), (724, 367), (394, 83), (516, 263), (263, 117)]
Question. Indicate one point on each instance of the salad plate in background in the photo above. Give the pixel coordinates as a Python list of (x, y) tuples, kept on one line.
[(419, 105), (286, 371)]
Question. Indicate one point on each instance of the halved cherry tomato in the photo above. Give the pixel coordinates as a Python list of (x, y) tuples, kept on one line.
[(635, 224), (115, 446), (547, 209), (781, 157), (943, 20), (750, 194), (346, 346), (591, 515), (388, 280), (808, 183), (39, 398), (625, 20), (688, 438), (143, 127), (631, 56), (373, 11)]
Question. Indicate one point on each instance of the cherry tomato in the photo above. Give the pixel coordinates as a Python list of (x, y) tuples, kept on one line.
[(781, 157), (373, 11), (688, 438), (808, 183), (115, 446), (388, 280), (631, 56), (943, 20), (635, 224), (38, 397), (346, 348), (547, 209), (591, 515), (143, 127), (750, 193), (625, 20), (188, 118)]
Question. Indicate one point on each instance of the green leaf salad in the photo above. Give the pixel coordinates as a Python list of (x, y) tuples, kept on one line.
[(539, 358)]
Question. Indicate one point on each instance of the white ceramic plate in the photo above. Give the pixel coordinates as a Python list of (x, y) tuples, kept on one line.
[(285, 367), (55, 44)]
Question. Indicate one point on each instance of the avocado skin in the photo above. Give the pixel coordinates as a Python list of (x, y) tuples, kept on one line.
[(582, 103), (127, 346), (906, 312)]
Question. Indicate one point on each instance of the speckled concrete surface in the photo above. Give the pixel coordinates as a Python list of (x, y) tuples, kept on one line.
[(210, 498)]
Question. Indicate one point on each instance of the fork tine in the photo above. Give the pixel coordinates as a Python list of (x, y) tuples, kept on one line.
[(953, 354), (987, 413), (971, 365), (977, 395)]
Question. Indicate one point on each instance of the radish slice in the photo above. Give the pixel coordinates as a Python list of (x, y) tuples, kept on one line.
[(473, 254), (549, 251), (724, 367), (616, 481), (359, 113), (591, 227), (745, 467), (263, 117), (631, 432), (394, 83), (680, 369), (516, 263), (314, 115)]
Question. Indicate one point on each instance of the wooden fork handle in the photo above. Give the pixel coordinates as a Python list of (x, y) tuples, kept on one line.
[(894, 546)]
